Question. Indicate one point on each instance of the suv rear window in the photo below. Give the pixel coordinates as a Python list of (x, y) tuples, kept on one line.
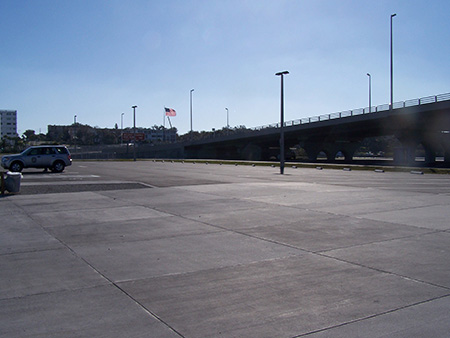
[(61, 150)]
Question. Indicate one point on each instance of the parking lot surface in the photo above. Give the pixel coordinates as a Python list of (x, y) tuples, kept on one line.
[(161, 249)]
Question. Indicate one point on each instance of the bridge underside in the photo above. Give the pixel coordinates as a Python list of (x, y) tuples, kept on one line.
[(342, 151), (423, 127)]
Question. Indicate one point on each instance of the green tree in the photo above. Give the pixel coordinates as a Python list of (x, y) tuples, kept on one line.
[(30, 135)]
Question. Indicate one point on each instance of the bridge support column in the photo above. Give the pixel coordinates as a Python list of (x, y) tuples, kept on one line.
[(447, 157), (347, 149), (445, 143), (430, 154), (436, 143), (252, 152), (406, 153), (331, 150), (312, 149)]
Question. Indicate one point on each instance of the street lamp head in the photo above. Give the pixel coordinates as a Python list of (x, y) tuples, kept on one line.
[(192, 90), (282, 73), (368, 74), (392, 15), (133, 107)]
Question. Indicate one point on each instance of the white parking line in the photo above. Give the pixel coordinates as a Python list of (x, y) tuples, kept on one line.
[(59, 176)]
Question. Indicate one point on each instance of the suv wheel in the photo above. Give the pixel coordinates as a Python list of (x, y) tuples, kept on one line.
[(16, 167), (58, 167)]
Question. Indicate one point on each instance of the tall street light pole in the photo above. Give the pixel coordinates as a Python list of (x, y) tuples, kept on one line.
[(282, 122), (121, 128), (190, 102), (228, 119), (134, 132), (75, 132), (392, 66), (370, 92)]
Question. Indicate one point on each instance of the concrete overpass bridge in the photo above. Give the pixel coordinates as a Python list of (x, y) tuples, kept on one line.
[(424, 121), (421, 122)]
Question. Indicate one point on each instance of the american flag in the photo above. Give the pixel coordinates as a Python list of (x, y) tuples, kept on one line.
[(170, 112)]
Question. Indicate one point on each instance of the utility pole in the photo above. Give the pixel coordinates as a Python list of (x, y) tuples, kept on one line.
[(282, 122)]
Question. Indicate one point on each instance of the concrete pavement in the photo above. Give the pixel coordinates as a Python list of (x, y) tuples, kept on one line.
[(180, 250)]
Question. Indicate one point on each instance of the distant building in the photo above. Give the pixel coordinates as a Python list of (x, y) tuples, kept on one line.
[(55, 132), (8, 123), (87, 135), (154, 135)]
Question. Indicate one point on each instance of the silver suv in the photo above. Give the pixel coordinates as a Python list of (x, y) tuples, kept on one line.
[(55, 158)]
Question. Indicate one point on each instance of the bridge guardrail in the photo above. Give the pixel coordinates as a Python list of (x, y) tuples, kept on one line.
[(359, 111)]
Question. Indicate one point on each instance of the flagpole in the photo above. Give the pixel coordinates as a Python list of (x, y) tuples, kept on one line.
[(164, 117), (164, 125)]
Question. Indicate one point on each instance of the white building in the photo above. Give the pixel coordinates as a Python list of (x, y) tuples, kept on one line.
[(8, 123)]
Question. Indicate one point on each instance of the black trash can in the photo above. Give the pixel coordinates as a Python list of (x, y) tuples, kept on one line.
[(12, 181)]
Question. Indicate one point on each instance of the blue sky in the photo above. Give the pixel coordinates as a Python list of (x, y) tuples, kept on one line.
[(97, 58)]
